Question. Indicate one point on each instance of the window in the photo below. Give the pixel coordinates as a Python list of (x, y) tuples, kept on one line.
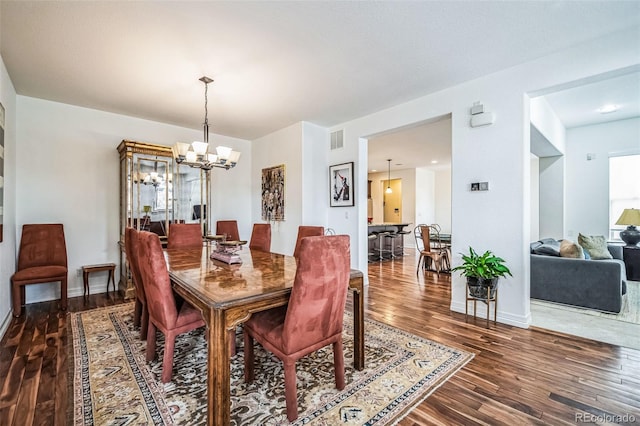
[(624, 189)]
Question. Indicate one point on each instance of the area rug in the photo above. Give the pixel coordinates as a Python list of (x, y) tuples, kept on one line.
[(630, 311), (112, 383)]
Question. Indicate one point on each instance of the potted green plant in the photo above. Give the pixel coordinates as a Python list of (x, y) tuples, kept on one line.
[(482, 272)]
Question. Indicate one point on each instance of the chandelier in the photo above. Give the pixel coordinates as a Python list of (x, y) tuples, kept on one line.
[(152, 178), (197, 154)]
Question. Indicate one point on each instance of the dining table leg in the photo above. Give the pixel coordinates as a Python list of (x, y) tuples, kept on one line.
[(218, 375), (357, 287)]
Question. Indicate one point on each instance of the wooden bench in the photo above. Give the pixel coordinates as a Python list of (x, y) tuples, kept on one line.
[(87, 269)]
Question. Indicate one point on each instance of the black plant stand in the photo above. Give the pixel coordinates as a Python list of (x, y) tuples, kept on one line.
[(488, 299)]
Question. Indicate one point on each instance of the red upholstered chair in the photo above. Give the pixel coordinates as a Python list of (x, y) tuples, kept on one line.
[(228, 227), (42, 259), (184, 235), (312, 319), (141, 313), (164, 314), (306, 231), (261, 237)]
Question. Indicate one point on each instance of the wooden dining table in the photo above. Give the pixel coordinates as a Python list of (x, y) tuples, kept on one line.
[(227, 295)]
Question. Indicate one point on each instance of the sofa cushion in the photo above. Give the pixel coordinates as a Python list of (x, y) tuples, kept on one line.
[(548, 247), (596, 245), (570, 249)]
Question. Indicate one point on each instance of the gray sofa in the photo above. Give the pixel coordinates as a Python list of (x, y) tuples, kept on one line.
[(594, 284)]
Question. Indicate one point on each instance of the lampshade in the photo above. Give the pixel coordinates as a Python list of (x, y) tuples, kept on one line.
[(629, 217), (631, 235)]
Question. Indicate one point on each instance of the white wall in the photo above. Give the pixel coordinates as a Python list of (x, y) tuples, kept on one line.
[(281, 147), (8, 244), (548, 123), (535, 198), (587, 181), (498, 154), (425, 198), (442, 200), (302, 148), (315, 177), (67, 171), (552, 188)]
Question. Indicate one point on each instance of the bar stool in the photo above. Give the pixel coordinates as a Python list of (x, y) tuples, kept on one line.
[(381, 250), (391, 238), (400, 236), (371, 239)]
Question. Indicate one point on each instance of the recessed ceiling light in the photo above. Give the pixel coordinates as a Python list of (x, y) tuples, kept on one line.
[(606, 109), (434, 161), (373, 170)]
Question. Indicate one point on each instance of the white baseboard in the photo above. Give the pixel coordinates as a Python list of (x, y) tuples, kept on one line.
[(6, 322)]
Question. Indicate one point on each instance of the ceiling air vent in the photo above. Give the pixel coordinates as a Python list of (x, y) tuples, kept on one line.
[(337, 140)]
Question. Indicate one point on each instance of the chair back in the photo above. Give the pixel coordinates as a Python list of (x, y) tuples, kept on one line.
[(161, 302), (184, 235), (42, 245), (306, 231), (417, 233), (261, 237), (131, 247), (228, 228), (426, 237), (319, 293), (436, 241)]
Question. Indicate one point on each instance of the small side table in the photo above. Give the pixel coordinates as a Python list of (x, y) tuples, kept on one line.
[(487, 300), (631, 257), (87, 269)]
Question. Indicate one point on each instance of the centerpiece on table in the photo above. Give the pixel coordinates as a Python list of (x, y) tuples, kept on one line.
[(482, 272), (227, 251)]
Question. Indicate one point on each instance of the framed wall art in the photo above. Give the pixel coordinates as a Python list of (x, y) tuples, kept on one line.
[(273, 193), (341, 185)]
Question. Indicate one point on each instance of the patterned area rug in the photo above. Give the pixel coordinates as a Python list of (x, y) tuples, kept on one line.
[(112, 383)]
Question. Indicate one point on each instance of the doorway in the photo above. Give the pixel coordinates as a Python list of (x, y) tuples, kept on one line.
[(392, 211)]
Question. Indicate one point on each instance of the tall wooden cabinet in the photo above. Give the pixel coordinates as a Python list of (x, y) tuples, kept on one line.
[(154, 192)]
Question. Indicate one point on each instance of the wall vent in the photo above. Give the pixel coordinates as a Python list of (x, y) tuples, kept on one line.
[(337, 140)]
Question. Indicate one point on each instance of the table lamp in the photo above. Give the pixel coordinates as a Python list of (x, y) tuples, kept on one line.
[(631, 218)]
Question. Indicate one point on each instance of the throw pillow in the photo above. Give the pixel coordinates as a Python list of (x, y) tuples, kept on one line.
[(570, 249), (549, 247), (596, 245)]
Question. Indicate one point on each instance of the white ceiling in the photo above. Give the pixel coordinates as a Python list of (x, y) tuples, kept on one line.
[(277, 63)]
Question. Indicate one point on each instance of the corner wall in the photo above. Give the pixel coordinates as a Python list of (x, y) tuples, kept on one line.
[(8, 244), (68, 171), (587, 181), (498, 219)]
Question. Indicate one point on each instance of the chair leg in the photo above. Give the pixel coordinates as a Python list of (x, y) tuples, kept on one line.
[(167, 359), (151, 342), (248, 357), (63, 294), (290, 393), (137, 313), (232, 342), (15, 297), (418, 267), (144, 323), (338, 363)]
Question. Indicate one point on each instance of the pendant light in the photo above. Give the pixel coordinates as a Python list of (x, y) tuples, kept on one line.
[(389, 190), (197, 154)]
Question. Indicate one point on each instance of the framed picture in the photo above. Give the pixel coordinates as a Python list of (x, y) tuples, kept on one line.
[(341, 185), (273, 193)]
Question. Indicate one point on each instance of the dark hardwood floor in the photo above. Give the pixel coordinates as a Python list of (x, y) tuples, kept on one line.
[(517, 376)]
